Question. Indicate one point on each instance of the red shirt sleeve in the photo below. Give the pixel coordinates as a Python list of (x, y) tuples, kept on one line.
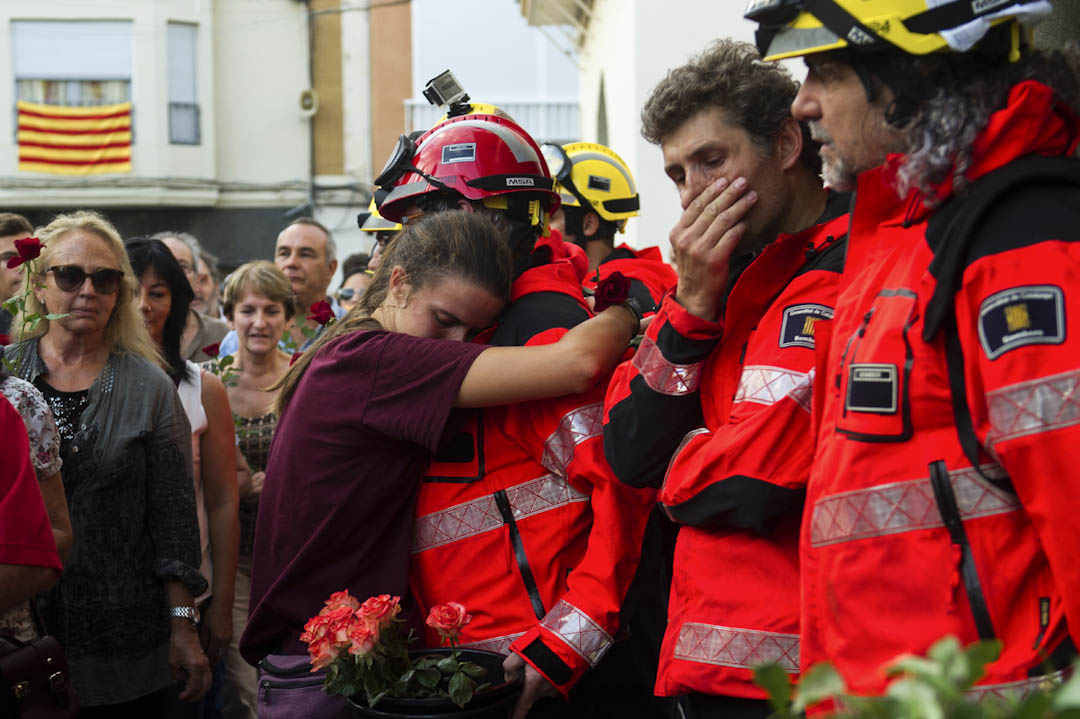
[(25, 534)]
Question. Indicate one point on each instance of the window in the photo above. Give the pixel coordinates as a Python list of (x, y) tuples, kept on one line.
[(183, 100), (84, 62)]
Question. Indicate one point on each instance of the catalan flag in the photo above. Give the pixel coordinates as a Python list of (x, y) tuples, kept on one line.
[(74, 140)]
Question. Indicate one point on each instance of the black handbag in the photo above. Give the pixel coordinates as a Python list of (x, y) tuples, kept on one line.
[(35, 681)]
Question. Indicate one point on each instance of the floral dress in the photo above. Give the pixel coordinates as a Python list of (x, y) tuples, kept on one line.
[(45, 456)]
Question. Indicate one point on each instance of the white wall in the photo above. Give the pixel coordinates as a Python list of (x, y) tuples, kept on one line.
[(491, 50), (261, 61), (633, 44)]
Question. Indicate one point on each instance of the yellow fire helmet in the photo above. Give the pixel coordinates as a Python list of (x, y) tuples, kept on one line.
[(481, 108), (374, 222), (793, 28), (593, 176)]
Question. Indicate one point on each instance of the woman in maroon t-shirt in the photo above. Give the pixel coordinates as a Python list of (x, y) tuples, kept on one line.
[(363, 410)]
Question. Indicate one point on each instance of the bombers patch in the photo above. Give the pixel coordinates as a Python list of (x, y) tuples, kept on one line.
[(797, 328), (459, 152), (872, 387), (1019, 316)]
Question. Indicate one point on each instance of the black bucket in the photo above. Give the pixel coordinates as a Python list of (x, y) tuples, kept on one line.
[(495, 702)]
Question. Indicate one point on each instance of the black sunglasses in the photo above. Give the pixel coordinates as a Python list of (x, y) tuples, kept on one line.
[(70, 278)]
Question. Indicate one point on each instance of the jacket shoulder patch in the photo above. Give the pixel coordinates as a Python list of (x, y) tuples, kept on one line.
[(797, 327), (1020, 316)]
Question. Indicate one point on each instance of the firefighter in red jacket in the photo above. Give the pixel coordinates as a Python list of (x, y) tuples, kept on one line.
[(943, 492), (722, 378), (519, 518), (599, 196)]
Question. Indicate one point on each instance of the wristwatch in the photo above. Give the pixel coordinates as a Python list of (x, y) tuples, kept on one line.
[(190, 613)]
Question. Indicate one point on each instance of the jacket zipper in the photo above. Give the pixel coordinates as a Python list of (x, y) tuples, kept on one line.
[(503, 503)]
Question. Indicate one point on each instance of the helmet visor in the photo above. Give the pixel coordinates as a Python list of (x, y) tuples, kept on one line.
[(773, 12)]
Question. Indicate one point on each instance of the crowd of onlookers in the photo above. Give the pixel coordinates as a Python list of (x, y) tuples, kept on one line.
[(117, 432)]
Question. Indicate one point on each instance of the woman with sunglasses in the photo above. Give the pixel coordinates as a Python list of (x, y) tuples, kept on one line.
[(123, 608)]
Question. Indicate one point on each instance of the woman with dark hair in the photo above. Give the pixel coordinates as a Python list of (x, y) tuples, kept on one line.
[(164, 298), (337, 505)]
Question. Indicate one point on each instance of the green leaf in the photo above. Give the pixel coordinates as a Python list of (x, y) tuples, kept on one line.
[(55, 316), (32, 321), (1034, 706), (12, 305), (474, 670), (374, 699), (980, 654), (428, 677), (821, 682), (225, 361), (1067, 696), (448, 665), (428, 661), (918, 699), (9, 365), (461, 689), (774, 680)]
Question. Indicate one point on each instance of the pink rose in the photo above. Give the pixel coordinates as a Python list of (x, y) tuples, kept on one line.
[(448, 619), (380, 611)]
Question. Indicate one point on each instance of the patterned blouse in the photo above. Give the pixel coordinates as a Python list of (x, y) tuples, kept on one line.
[(253, 435), (45, 456)]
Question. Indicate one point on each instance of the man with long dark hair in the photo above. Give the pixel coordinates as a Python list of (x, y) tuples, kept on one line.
[(946, 410)]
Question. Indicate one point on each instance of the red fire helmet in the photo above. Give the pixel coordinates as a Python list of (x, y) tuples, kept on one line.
[(475, 156)]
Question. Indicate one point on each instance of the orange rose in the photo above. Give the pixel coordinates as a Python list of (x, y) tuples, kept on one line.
[(322, 653), (362, 637), (448, 619), (341, 599), (380, 611)]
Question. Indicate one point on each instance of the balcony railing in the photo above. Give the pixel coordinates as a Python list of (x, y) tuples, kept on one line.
[(546, 121)]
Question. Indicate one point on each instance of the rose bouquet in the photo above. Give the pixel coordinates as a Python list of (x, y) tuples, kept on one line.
[(362, 649)]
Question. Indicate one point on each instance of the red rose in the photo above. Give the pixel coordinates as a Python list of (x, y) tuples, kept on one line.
[(379, 611), (28, 248), (321, 312), (295, 356), (5, 340), (612, 290), (448, 619), (212, 350)]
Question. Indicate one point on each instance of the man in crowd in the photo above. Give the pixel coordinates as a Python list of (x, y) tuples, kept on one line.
[(208, 280), (12, 280), (727, 363), (200, 331), (941, 500), (306, 252), (599, 196), (525, 484)]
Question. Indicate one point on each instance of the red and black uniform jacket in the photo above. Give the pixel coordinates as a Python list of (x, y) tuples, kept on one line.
[(522, 520), (904, 539), (736, 482), (650, 277)]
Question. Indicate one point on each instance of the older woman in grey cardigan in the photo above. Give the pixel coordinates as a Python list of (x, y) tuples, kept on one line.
[(123, 608)]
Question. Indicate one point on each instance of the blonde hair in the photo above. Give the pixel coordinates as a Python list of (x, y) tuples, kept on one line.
[(125, 332), (264, 278)]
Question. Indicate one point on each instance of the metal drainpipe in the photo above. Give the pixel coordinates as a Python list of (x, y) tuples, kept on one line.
[(311, 120)]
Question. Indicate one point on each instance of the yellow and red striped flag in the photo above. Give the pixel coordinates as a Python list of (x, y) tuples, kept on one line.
[(74, 140)]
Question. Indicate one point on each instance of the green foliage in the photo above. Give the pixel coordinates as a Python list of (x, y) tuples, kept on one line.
[(389, 671), (936, 686), (16, 304)]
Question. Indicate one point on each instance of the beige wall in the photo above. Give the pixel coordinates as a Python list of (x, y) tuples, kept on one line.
[(326, 70), (391, 77)]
